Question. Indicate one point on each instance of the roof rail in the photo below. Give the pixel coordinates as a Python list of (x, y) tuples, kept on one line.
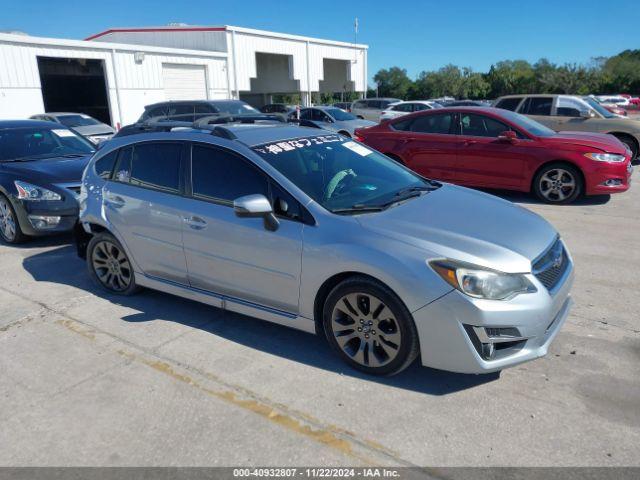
[(211, 123), (239, 118)]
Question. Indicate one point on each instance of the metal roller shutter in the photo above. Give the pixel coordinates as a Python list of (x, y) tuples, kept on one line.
[(184, 82)]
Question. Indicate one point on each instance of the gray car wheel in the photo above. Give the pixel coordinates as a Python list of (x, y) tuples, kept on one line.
[(370, 327), (10, 230), (109, 265)]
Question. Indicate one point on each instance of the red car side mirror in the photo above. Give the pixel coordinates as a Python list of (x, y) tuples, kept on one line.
[(508, 136)]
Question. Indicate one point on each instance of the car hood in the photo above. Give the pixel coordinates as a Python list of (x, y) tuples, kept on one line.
[(467, 225), (601, 141), (53, 170), (101, 129)]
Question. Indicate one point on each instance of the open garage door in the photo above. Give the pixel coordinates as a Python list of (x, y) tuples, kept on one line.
[(184, 82), (74, 85)]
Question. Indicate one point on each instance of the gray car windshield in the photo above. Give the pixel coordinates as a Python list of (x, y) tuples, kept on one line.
[(40, 143), (340, 115), (342, 175)]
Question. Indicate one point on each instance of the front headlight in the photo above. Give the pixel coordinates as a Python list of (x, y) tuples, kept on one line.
[(605, 157), (479, 282), (27, 191)]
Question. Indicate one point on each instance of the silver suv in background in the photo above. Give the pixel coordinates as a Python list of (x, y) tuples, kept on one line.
[(572, 113), (309, 229), (371, 108)]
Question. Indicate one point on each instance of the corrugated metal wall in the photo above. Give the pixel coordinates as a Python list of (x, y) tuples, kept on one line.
[(138, 83)]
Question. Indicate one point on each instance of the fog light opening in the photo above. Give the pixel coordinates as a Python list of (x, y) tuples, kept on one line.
[(44, 222), (613, 182), (488, 351)]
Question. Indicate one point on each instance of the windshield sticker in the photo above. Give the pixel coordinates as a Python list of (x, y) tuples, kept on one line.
[(357, 148), (62, 132), (289, 145)]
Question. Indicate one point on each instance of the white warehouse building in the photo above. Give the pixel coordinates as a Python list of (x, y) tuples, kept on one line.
[(114, 74)]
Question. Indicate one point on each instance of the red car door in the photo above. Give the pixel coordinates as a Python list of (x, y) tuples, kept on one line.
[(484, 159), (428, 144)]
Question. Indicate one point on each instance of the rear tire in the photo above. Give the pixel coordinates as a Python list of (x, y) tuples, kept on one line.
[(10, 230), (369, 327), (109, 266), (558, 183)]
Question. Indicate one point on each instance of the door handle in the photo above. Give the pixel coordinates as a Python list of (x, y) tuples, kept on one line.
[(115, 201), (195, 222), (470, 142)]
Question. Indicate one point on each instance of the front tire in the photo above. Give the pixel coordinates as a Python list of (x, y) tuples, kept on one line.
[(109, 266), (558, 183), (10, 230), (369, 327)]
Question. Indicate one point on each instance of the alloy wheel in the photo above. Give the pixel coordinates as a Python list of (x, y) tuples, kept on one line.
[(557, 184), (111, 266), (366, 329), (7, 221)]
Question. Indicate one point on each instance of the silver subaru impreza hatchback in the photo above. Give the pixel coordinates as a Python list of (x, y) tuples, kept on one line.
[(315, 231)]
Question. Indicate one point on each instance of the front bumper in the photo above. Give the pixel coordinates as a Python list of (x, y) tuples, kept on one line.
[(27, 211), (445, 327), (609, 178)]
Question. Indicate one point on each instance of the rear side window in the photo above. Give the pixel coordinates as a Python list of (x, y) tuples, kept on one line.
[(156, 166), (402, 125), (183, 112), (155, 112), (509, 103), (481, 126), (538, 106), (104, 166), (220, 175), (203, 111), (440, 124)]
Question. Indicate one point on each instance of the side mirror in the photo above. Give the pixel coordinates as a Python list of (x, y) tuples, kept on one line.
[(508, 136), (586, 114), (254, 206)]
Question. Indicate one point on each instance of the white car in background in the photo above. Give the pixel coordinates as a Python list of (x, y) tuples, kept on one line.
[(403, 108), (616, 100)]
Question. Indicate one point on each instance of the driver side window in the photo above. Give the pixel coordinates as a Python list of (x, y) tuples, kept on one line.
[(221, 176), (569, 107)]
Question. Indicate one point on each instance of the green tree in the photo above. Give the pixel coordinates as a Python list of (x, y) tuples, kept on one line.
[(393, 82)]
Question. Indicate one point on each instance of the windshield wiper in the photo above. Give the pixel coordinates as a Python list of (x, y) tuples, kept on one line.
[(360, 208)]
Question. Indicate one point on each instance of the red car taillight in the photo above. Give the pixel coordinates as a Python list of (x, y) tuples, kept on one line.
[(358, 138)]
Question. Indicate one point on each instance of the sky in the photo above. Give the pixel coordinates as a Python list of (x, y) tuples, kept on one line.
[(416, 35)]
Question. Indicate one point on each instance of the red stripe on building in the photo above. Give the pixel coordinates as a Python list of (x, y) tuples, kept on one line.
[(167, 29)]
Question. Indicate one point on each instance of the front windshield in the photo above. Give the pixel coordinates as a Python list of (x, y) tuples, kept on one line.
[(236, 108), (340, 115), (341, 174), (527, 124), (77, 120), (598, 108), (41, 143)]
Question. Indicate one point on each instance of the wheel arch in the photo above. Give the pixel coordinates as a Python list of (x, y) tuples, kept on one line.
[(620, 135), (344, 133), (328, 285)]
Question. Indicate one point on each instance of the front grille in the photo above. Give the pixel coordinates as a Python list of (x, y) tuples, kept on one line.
[(552, 265)]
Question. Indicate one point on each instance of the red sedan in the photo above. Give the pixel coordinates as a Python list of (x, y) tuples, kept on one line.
[(495, 148)]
